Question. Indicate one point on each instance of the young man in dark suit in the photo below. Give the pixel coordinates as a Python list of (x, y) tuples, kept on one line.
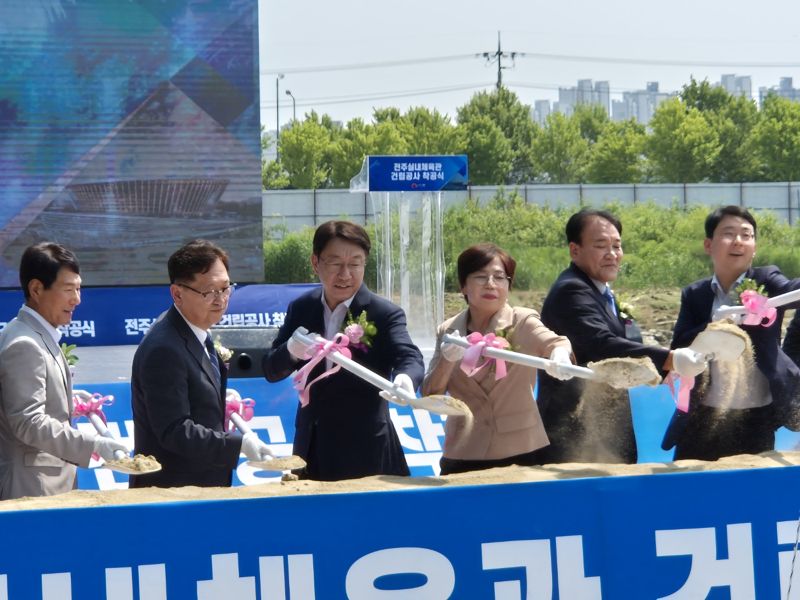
[(743, 422), (345, 430), (581, 306), (178, 382)]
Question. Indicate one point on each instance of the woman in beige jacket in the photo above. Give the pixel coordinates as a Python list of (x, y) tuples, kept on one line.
[(506, 428)]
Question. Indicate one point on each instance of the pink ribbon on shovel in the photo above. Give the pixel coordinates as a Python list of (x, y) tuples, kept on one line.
[(234, 403), (478, 341), (757, 309), (679, 387), (320, 351), (84, 406)]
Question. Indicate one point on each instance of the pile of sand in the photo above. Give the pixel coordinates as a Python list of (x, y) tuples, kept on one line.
[(80, 498)]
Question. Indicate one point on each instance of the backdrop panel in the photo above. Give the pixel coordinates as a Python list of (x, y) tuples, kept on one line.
[(129, 127)]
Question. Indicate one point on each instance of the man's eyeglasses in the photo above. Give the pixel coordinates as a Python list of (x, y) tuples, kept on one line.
[(210, 296), (334, 266), (501, 279)]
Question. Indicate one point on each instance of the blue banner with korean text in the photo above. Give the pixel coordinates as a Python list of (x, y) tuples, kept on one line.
[(717, 534), (417, 173), (113, 316)]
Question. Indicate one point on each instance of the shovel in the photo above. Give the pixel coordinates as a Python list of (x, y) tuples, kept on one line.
[(284, 463), (718, 344), (574, 370), (122, 463), (774, 302), (439, 404)]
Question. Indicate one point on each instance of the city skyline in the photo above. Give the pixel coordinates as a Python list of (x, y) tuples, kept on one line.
[(346, 59)]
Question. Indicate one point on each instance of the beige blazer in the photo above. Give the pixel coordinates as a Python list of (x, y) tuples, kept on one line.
[(506, 420), (38, 447)]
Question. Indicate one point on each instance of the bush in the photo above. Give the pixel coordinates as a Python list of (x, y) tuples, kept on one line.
[(663, 246)]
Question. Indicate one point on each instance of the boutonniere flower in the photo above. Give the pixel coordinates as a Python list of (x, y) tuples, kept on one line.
[(506, 333), (625, 311), (68, 351), (360, 331), (748, 288), (224, 353)]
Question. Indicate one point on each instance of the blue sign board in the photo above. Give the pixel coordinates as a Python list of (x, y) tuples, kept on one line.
[(718, 534), (417, 173), (112, 316)]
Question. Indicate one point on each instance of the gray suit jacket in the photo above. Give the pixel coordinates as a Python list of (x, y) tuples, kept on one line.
[(38, 446)]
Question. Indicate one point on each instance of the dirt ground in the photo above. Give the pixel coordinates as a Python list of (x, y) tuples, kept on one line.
[(86, 498)]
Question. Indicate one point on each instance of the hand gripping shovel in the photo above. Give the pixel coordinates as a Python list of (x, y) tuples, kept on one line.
[(620, 373), (439, 404), (279, 463), (91, 406)]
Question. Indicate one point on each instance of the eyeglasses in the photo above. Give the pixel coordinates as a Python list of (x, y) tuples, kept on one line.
[(745, 236), (334, 266), (501, 279), (212, 295)]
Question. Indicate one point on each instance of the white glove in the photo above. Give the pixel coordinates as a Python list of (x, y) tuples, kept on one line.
[(295, 346), (254, 449), (107, 447), (452, 352), (401, 381), (688, 363), (560, 357), (720, 314)]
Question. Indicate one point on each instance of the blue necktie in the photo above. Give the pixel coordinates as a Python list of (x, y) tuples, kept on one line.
[(610, 301), (212, 355)]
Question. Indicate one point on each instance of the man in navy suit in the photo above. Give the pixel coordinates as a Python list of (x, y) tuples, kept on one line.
[(345, 430), (178, 381), (581, 306), (724, 424)]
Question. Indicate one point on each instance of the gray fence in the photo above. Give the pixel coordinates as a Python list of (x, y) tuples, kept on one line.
[(295, 209)]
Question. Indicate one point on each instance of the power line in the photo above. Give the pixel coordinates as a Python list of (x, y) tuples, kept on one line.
[(325, 100), (371, 65), (498, 55), (661, 63)]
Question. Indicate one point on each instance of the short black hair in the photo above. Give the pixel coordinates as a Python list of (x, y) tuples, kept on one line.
[(43, 261), (194, 258), (714, 218), (344, 230), (577, 223)]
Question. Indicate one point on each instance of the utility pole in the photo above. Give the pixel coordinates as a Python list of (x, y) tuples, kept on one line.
[(498, 56), (277, 117)]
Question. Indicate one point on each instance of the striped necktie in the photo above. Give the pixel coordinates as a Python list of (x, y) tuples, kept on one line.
[(212, 355), (609, 296)]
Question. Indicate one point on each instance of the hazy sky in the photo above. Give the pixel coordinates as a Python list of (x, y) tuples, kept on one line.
[(434, 44)]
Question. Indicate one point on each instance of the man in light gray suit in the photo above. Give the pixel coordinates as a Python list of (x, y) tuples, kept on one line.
[(39, 448)]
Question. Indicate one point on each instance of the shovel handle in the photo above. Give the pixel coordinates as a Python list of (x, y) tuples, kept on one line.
[(240, 423), (102, 430), (523, 359), (359, 370)]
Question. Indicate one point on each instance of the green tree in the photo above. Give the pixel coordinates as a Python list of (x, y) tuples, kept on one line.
[(514, 121), (683, 146), (304, 153), (618, 155), (347, 152), (431, 132), (776, 139), (592, 119), (273, 177), (489, 151), (733, 119), (560, 150)]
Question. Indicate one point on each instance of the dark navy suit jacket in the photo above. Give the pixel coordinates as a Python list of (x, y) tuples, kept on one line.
[(781, 373), (345, 431), (574, 307), (179, 410)]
